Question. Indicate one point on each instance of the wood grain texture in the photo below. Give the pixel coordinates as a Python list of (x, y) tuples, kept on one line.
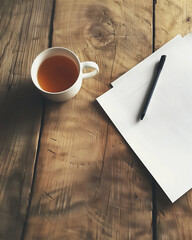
[(24, 33), (173, 220), (172, 18), (89, 184)]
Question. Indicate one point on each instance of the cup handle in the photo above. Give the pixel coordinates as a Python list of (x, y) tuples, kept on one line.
[(88, 65)]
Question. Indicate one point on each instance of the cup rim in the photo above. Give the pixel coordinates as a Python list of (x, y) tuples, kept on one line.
[(47, 50)]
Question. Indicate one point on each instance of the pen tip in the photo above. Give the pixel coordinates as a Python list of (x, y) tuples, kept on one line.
[(142, 116)]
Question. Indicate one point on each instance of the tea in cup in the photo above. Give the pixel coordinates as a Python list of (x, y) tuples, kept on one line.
[(58, 73)]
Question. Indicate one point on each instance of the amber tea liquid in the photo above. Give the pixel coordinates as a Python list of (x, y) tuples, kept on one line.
[(57, 73)]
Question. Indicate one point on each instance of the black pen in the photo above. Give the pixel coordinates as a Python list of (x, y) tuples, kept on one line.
[(159, 68)]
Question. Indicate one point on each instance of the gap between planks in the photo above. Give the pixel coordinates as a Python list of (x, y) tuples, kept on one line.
[(41, 127)]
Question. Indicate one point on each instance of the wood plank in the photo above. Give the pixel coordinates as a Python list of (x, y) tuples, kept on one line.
[(24, 31), (173, 220), (89, 184), (171, 18)]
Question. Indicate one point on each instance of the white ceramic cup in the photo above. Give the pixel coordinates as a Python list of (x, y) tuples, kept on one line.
[(74, 89)]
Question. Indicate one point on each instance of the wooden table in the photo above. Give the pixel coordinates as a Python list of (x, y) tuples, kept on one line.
[(65, 171)]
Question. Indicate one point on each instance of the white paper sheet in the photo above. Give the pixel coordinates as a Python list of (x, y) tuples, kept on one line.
[(148, 63), (163, 139)]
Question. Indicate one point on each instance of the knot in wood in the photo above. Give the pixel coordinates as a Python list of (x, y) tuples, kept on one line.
[(100, 35)]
